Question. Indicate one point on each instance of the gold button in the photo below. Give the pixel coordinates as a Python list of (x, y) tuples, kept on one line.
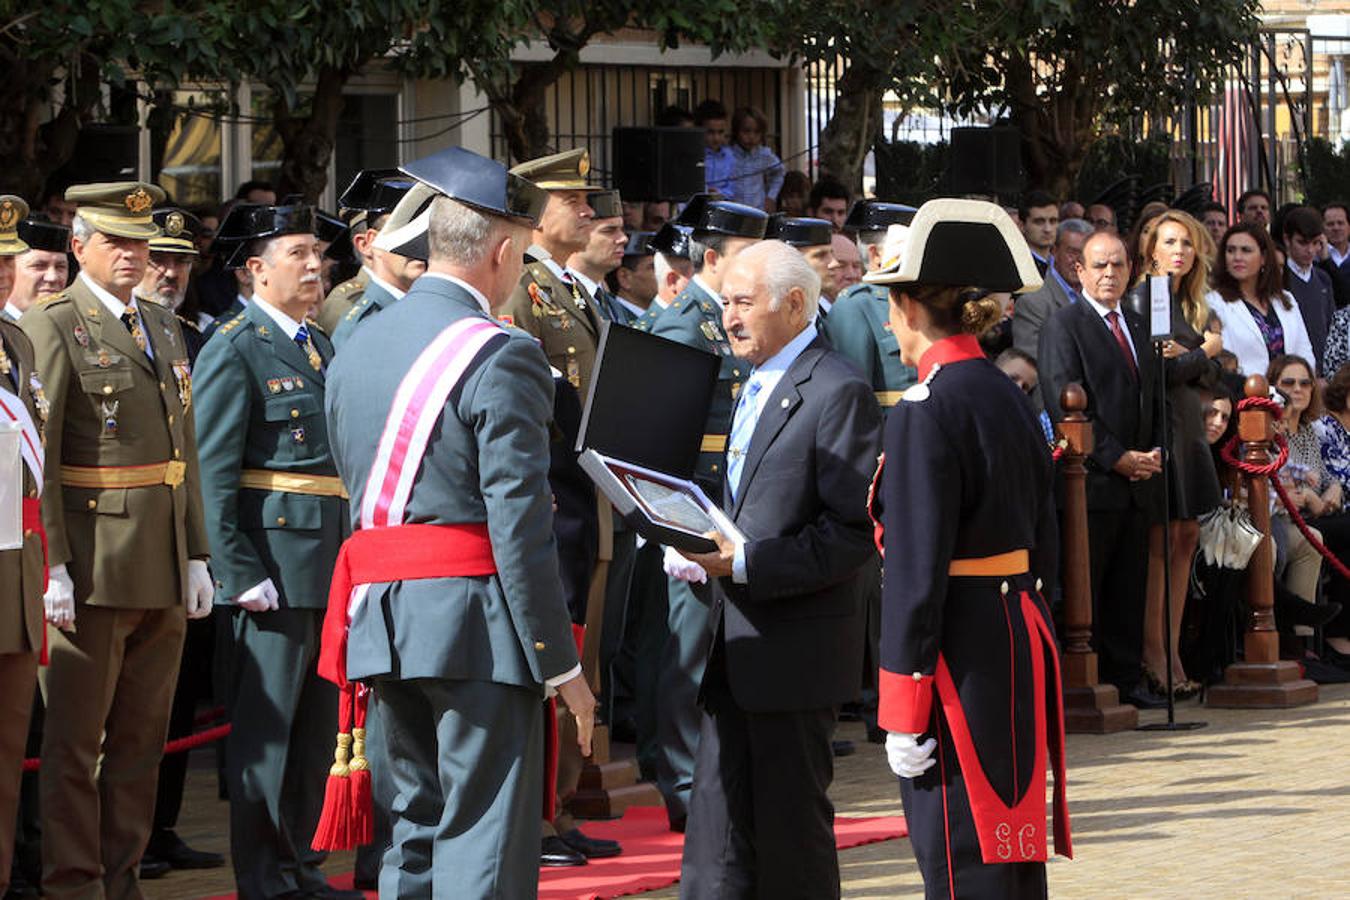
[(93, 504), (735, 371), (714, 467), (170, 418), (295, 414), (571, 349), (107, 389), (177, 453), (539, 645), (281, 520), (162, 386)]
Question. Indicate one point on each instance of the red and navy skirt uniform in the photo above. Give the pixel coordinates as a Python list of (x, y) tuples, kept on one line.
[(966, 522)]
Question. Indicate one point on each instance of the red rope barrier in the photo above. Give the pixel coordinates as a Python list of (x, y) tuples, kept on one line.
[(1270, 470), (180, 745)]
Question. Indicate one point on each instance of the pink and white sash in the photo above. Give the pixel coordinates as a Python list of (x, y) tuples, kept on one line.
[(418, 404), (30, 439)]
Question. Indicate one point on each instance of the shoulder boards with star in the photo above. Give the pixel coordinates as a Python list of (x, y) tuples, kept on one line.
[(357, 308), (232, 324)]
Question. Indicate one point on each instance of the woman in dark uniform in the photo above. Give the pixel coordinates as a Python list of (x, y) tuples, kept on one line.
[(970, 682), (1176, 245)]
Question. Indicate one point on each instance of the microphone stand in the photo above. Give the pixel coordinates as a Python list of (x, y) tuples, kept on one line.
[(1171, 724)]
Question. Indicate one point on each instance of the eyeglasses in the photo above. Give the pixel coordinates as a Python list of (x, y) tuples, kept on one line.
[(1295, 382)]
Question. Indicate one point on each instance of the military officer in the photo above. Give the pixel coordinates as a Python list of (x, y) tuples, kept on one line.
[(42, 270), (720, 230), (603, 254), (126, 543), (394, 262), (370, 197), (172, 256), (12, 212), (458, 686), (22, 578), (671, 266), (634, 281), (859, 326), (813, 239), (549, 302), (223, 246), (275, 513)]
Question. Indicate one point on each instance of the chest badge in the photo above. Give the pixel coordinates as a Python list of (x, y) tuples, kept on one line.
[(109, 410)]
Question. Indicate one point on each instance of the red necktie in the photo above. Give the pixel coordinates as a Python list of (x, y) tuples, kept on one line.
[(1113, 317)]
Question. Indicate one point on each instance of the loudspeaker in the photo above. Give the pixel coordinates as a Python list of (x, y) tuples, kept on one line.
[(657, 163), (985, 161), (105, 153)]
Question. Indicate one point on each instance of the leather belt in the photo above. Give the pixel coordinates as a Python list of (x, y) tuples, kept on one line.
[(169, 473), (292, 483), (888, 398), (1014, 562), (713, 443)]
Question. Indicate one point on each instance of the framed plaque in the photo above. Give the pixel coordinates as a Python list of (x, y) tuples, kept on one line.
[(11, 487), (640, 435)]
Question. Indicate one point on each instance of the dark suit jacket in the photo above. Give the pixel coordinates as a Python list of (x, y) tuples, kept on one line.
[(794, 632), (1340, 279), (1317, 302), (1077, 345)]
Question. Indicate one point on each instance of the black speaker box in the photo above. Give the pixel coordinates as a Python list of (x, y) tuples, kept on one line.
[(985, 161), (105, 153), (657, 163)]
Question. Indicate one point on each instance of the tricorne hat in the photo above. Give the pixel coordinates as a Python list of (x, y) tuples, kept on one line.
[(481, 183), (958, 243), (249, 222), (798, 232), (405, 231), (877, 215), (40, 233)]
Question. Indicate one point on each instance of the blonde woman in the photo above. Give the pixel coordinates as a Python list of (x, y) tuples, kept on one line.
[(1176, 245)]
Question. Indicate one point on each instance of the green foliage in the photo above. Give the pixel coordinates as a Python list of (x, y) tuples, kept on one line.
[(1326, 171), (1114, 156)]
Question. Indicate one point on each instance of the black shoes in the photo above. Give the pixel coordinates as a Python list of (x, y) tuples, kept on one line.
[(331, 893), (843, 748), (167, 847), (589, 847), (152, 868), (555, 852), (1142, 697)]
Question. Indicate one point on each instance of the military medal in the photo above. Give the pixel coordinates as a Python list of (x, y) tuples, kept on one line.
[(574, 372), (104, 359), (298, 433), (5, 365), (274, 385), (735, 389), (184, 376), (109, 408), (81, 336), (39, 396), (287, 384), (168, 334), (709, 331)]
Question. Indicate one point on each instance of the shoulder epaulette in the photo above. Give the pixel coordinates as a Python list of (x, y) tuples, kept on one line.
[(51, 299), (232, 324), (357, 307)]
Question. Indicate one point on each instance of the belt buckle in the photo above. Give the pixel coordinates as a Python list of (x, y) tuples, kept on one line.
[(175, 470)]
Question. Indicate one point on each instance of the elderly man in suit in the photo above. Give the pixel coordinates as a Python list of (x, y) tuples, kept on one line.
[(1060, 289), (457, 618), (126, 543), (1105, 348), (787, 612)]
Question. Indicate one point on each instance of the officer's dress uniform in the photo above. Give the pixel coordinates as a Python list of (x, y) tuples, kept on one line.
[(552, 305), (122, 510), (458, 664), (341, 299), (377, 296), (859, 327), (22, 582), (963, 618), (274, 509), (693, 318)]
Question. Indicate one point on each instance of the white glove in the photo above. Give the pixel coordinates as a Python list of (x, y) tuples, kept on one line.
[(677, 566), (907, 757), (259, 598), (59, 599), (200, 590)]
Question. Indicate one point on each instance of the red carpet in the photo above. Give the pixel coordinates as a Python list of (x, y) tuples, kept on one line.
[(651, 855)]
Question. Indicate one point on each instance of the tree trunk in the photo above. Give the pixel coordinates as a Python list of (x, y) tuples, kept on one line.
[(308, 141), (853, 126), (1056, 127), (519, 104), (29, 151)]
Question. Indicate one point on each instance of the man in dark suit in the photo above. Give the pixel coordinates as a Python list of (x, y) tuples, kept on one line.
[(1060, 289), (1310, 285), (1336, 263), (1105, 348), (787, 609)]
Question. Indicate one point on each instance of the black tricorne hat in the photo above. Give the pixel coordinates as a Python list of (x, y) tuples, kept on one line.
[(707, 216), (639, 243), (41, 233), (249, 222), (481, 183), (671, 240), (798, 232), (877, 215), (375, 191)]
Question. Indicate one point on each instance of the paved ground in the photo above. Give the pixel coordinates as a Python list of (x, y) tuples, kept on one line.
[(1256, 805)]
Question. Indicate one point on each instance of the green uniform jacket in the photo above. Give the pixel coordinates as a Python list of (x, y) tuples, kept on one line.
[(21, 582), (645, 321), (260, 404), (375, 298), (341, 299), (110, 405), (859, 327), (695, 318), (545, 307)]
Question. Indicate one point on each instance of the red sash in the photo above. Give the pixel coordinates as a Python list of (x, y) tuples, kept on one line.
[(32, 521), (396, 553)]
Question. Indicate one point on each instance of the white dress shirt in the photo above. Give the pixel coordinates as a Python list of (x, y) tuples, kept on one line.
[(393, 291), (288, 325), (117, 308), (1304, 275), (1104, 311)]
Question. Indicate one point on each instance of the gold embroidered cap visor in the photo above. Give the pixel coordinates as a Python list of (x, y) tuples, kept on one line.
[(178, 229), (118, 208), (12, 212), (564, 171)]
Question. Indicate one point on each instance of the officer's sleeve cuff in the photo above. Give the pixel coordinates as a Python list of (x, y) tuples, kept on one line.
[(564, 677), (738, 573), (906, 702)]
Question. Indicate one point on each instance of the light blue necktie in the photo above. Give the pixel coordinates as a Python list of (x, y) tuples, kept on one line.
[(743, 428)]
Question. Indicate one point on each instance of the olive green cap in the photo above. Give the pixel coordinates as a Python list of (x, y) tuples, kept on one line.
[(120, 208), (606, 204), (564, 171), (12, 211)]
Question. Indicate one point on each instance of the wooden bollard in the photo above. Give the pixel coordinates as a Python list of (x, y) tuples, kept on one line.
[(1089, 707), (1262, 679)]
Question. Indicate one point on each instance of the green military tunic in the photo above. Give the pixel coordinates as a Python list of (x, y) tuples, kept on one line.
[(273, 510), (561, 317), (645, 321), (375, 298), (341, 299), (859, 327)]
